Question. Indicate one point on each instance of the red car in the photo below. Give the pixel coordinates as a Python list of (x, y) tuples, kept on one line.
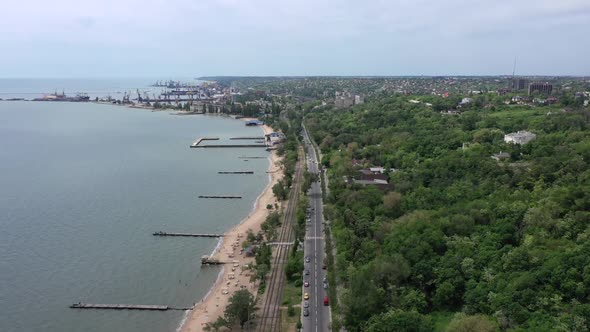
[(326, 301)]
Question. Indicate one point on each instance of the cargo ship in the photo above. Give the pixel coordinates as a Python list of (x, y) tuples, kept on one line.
[(80, 97)]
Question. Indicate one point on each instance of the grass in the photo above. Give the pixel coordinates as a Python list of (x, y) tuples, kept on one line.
[(291, 294), (289, 323), (441, 320)]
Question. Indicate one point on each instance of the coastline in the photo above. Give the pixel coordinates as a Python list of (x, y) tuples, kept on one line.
[(231, 278)]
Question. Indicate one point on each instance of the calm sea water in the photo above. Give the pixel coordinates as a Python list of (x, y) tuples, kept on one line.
[(82, 188)]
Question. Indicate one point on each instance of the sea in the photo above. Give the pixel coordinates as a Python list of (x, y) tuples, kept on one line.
[(83, 187)]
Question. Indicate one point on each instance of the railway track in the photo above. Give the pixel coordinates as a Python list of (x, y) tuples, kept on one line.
[(270, 317)]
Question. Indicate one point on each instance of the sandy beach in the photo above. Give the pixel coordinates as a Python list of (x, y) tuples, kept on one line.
[(232, 278)]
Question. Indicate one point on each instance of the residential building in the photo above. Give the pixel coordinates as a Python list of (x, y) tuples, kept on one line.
[(343, 102), (517, 84), (520, 137), (541, 87)]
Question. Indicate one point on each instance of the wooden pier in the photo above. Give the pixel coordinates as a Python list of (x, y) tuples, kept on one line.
[(230, 146), (201, 139), (187, 234), (206, 260), (224, 197), (236, 172), (81, 305), (257, 137)]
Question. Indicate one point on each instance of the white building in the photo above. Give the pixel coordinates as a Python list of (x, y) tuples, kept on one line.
[(519, 137)]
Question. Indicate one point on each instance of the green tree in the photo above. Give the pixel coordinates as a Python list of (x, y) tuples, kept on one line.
[(399, 321), (475, 323), (241, 307)]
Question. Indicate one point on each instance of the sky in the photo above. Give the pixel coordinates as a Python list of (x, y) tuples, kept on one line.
[(192, 38)]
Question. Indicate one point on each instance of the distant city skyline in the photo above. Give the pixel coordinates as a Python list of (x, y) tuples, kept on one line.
[(186, 38)]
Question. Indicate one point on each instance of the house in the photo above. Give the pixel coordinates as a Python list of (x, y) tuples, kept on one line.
[(501, 156), (520, 137), (466, 101), (275, 138), (450, 112)]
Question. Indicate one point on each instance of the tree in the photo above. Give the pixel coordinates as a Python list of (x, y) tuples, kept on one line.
[(279, 191), (475, 323), (392, 200), (241, 307), (216, 325), (399, 321)]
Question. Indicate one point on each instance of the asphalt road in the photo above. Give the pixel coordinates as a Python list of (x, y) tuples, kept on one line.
[(319, 314)]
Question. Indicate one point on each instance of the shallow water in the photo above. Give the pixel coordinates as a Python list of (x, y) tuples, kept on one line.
[(82, 188)]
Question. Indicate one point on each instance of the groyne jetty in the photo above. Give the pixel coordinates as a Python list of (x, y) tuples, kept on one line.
[(236, 172), (187, 234), (236, 138), (81, 305), (201, 139), (230, 146), (223, 197)]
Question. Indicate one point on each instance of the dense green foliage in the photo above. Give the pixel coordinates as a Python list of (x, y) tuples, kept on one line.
[(241, 308), (506, 243)]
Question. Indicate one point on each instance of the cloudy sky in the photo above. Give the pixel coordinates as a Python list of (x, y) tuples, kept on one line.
[(164, 38)]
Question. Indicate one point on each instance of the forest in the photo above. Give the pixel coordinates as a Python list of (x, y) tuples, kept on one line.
[(459, 241)]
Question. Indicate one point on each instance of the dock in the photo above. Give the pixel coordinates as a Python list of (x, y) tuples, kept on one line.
[(230, 146), (201, 139), (225, 197), (206, 260), (236, 172), (253, 157), (187, 234), (235, 138), (81, 305)]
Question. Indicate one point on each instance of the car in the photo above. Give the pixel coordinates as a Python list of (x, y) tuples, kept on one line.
[(325, 279), (306, 272), (305, 312), (326, 301), (306, 284), (306, 304), (307, 260), (306, 296), (324, 267), (325, 285)]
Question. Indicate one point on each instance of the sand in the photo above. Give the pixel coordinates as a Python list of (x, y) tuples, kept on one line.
[(232, 278)]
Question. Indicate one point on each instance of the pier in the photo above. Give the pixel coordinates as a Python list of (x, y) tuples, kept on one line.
[(237, 172), (235, 138), (80, 305), (206, 260), (187, 234), (245, 157), (225, 197), (230, 146), (200, 139)]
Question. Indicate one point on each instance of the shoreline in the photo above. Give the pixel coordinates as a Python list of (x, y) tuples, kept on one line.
[(232, 277)]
